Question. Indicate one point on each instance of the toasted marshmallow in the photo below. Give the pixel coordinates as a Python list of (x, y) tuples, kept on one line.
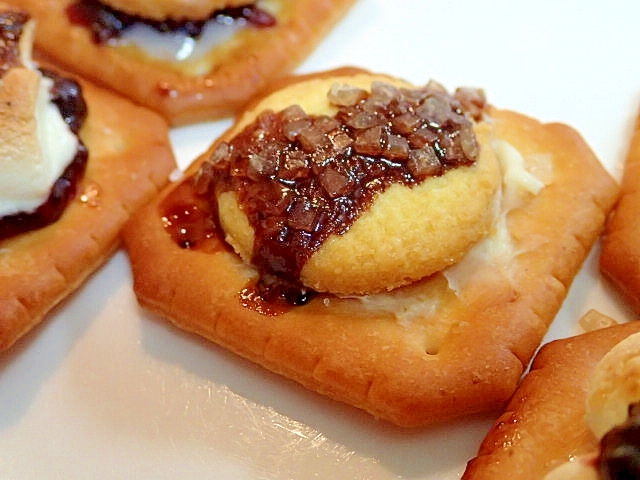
[(36, 145)]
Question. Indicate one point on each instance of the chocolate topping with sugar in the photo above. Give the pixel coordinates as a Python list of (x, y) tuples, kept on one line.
[(107, 23), (300, 178)]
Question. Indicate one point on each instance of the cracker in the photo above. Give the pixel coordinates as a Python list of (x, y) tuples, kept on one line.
[(620, 255), (130, 158), (186, 92), (422, 353), (543, 426)]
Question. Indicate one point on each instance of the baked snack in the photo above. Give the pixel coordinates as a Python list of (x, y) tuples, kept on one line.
[(47, 252), (411, 355), (620, 255), (543, 429), (185, 79)]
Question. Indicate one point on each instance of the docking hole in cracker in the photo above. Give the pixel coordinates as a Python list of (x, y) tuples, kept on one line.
[(383, 244)]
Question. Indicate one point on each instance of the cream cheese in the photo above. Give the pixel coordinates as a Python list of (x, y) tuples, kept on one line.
[(497, 250), (490, 260), (36, 144), (178, 46), (182, 48), (579, 468)]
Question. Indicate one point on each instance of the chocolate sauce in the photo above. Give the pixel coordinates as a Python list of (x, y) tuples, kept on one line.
[(619, 457), (189, 219), (66, 94), (107, 23), (300, 178)]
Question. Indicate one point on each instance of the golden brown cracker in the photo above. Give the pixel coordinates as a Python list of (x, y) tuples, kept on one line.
[(422, 353), (130, 158), (620, 255), (543, 425)]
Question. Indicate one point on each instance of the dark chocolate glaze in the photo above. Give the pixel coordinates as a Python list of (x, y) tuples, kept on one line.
[(107, 23), (300, 178)]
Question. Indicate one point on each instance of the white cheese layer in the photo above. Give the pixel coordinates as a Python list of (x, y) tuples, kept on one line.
[(179, 47), (28, 174), (497, 250), (490, 260), (579, 468)]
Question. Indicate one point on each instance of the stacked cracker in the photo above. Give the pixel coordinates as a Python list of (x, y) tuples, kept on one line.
[(471, 329)]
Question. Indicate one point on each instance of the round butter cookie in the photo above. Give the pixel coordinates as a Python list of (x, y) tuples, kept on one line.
[(356, 220)]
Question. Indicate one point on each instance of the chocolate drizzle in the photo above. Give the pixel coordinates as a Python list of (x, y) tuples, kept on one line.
[(107, 23), (619, 457)]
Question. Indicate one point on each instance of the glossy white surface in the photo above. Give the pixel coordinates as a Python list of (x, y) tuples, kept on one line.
[(105, 390)]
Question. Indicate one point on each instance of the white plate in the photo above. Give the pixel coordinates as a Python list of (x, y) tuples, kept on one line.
[(104, 390)]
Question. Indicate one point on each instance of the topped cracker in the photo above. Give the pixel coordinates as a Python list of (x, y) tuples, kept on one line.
[(451, 344)]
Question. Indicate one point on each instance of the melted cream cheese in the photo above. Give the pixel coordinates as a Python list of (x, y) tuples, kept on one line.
[(497, 249), (579, 468), (28, 174), (490, 260), (179, 47)]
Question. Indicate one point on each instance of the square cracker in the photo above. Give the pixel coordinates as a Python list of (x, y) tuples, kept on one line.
[(422, 353), (543, 425), (238, 69), (620, 255), (130, 158)]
